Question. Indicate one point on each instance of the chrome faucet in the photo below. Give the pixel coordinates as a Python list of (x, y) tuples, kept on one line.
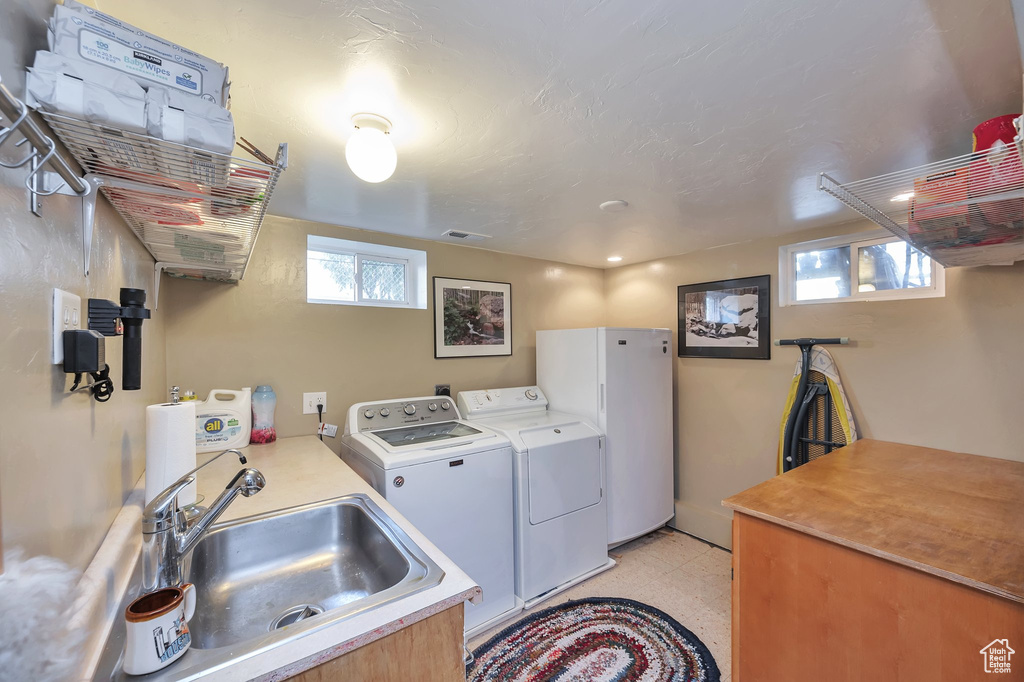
[(168, 535)]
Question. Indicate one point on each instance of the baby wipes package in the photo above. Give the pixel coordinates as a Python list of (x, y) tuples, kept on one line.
[(87, 91), (177, 117), (223, 420), (82, 32)]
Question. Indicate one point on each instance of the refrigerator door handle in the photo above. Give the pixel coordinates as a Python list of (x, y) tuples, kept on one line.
[(602, 398)]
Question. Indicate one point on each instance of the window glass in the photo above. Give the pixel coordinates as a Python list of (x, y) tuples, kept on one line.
[(346, 272), (382, 280), (822, 273), (330, 276), (895, 265), (871, 266)]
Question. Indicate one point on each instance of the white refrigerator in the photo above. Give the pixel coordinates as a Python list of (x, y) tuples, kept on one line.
[(620, 379)]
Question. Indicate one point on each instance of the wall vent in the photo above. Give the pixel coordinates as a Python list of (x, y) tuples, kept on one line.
[(466, 236)]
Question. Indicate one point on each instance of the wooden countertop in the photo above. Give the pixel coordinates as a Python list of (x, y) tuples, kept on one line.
[(957, 516)]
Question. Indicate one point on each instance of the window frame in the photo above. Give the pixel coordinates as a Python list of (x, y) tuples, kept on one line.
[(414, 261), (787, 271)]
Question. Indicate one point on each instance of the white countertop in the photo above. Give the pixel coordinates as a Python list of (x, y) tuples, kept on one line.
[(299, 471)]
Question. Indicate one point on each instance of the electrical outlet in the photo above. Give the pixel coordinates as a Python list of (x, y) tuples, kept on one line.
[(311, 400), (329, 430), (67, 314), (442, 389)]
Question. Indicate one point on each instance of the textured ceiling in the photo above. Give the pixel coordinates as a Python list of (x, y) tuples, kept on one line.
[(516, 119)]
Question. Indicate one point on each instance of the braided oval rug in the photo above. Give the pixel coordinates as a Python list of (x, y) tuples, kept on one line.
[(594, 640)]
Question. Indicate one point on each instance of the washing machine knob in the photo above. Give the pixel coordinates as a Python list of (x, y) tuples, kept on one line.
[(432, 407), (531, 394), (369, 414), (410, 410), (384, 411), (445, 404)]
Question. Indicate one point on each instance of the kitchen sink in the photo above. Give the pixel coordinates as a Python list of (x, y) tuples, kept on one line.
[(264, 580)]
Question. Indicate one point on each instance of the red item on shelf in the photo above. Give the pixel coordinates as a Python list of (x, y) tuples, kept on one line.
[(996, 168), (149, 207), (999, 128)]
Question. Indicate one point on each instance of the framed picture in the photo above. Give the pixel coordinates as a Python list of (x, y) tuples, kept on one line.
[(726, 319), (472, 318)]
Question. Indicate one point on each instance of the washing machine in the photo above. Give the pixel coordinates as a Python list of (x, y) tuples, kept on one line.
[(452, 480), (561, 520)]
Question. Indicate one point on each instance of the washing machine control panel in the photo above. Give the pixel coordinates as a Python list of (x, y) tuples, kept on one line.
[(498, 401), (387, 414)]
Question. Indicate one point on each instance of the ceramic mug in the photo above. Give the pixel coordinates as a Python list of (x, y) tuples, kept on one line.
[(157, 625)]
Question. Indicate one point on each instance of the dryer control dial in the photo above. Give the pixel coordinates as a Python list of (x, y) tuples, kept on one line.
[(410, 410), (384, 411), (531, 394)]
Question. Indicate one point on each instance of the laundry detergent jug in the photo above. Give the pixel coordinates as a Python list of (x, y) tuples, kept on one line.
[(223, 420)]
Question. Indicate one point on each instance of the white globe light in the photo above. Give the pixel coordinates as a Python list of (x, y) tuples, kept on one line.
[(370, 154)]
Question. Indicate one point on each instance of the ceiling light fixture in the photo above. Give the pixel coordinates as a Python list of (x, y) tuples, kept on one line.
[(369, 151), (614, 206), (614, 259), (905, 196)]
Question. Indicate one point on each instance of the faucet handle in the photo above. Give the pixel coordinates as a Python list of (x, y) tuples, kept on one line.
[(241, 458), (159, 514)]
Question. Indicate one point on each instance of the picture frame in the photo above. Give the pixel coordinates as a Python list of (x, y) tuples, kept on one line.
[(730, 318), (472, 318)]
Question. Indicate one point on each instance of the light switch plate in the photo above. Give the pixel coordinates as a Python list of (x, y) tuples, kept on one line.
[(67, 314)]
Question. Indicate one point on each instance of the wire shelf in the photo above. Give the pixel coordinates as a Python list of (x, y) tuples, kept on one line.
[(968, 210), (198, 210)]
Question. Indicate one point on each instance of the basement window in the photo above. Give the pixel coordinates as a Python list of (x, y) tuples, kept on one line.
[(872, 266), (345, 272)]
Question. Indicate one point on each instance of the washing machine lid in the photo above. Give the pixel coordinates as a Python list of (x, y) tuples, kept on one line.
[(564, 469), (408, 445), (408, 436)]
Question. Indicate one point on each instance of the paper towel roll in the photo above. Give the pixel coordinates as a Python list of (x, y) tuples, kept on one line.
[(170, 448)]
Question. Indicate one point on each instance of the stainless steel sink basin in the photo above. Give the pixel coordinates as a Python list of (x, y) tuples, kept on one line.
[(264, 580)]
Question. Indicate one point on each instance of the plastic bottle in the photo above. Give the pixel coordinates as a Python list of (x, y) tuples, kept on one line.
[(264, 400), (223, 420)]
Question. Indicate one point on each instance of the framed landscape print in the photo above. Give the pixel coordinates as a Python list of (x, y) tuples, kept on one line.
[(726, 319), (472, 318)]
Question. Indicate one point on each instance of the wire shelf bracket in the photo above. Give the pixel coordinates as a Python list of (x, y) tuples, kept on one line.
[(43, 153)]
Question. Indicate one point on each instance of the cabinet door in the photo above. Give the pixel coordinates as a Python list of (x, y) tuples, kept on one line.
[(808, 610), (427, 651)]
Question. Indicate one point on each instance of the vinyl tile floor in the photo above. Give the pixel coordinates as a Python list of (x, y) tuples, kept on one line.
[(686, 578)]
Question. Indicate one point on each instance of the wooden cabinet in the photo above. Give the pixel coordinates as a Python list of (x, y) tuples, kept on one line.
[(427, 651), (879, 562), (811, 610)]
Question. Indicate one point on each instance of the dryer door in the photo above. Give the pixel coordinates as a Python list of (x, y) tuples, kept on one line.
[(564, 468)]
